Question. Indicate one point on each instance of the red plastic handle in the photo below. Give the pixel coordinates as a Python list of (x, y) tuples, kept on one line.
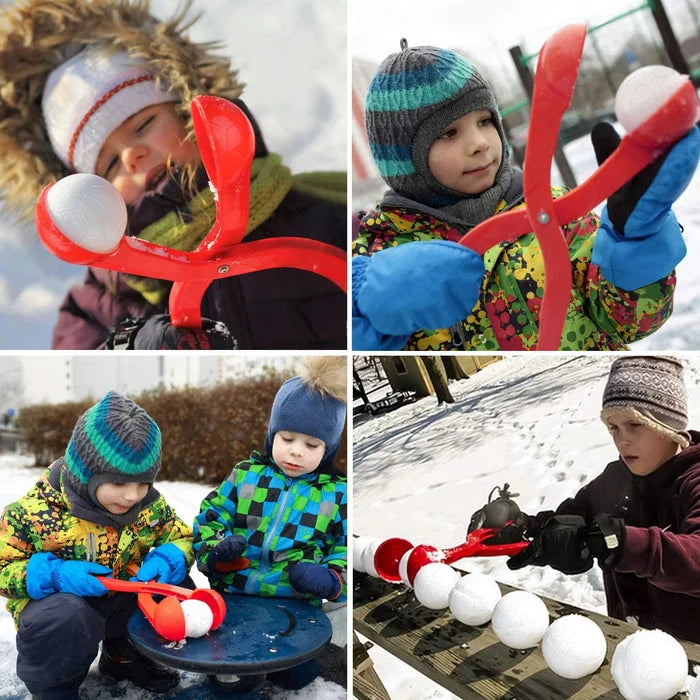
[(554, 84)]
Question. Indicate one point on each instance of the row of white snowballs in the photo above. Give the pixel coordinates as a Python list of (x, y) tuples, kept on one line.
[(646, 665)]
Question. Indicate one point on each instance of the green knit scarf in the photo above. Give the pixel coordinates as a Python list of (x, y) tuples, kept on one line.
[(270, 182)]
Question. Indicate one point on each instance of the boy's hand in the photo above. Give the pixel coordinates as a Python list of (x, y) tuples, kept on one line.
[(424, 284), (166, 563), (606, 538), (226, 552), (47, 574), (561, 544), (316, 579), (639, 240)]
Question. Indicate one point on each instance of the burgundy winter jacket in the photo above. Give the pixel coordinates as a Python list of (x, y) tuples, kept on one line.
[(657, 577), (267, 310)]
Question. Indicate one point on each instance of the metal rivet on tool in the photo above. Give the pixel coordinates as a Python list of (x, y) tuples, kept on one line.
[(223, 269), (543, 217)]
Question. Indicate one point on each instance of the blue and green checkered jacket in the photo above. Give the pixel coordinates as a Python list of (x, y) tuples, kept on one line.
[(285, 520)]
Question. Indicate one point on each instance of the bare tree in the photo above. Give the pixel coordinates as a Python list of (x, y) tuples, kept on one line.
[(438, 377)]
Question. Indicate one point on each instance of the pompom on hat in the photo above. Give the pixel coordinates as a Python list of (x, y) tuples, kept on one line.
[(114, 441), (89, 96), (652, 390), (312, 403)]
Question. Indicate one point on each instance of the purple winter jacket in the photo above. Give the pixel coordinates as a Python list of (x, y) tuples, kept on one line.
[(657, 577)]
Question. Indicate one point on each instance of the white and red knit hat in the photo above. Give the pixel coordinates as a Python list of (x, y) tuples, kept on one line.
[(89, 96)]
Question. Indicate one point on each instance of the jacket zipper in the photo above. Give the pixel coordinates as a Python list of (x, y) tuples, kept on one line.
[(265, 549)]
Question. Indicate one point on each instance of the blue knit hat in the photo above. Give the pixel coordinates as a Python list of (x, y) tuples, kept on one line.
[(312, 404), (114, 441), (414, 95)]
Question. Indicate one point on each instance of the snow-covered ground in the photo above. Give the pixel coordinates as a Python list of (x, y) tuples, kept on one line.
[(17, 477), (291, 55), (529, 420)]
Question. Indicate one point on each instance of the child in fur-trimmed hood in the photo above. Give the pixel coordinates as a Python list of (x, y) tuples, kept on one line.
[(81, 80), (242, 542)]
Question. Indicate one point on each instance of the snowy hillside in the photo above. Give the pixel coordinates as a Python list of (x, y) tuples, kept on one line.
[(529, 420)]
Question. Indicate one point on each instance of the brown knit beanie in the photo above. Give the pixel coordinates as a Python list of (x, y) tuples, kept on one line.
[(651, 389)]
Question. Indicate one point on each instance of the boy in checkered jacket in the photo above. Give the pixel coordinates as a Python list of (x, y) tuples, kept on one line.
[(278, 525)]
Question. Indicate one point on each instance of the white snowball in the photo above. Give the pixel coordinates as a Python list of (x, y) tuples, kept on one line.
[(403, 567), (368, 556), (695, 690), (474, 598), (649, 665), (643, 92), (358, 544), (198, 617), (574, 646), (520, 620), (89, 211), (433, 584)]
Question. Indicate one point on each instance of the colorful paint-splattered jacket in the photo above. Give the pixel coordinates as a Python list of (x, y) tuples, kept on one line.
[(285, 520), (41, 522), (599, 317)]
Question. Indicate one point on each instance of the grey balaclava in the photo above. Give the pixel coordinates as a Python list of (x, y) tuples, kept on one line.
[(414, 95)]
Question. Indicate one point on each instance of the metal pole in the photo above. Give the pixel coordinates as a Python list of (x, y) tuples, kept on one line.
[(527, 81), (671, 44)]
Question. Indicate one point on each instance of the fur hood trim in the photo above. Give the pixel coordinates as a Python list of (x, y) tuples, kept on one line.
[(38, 35)]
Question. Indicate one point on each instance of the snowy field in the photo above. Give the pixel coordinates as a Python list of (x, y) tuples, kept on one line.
[(292, 57), (17, 478), (529, 420)]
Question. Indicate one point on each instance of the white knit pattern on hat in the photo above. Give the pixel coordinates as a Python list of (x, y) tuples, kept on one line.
[(90, 95)]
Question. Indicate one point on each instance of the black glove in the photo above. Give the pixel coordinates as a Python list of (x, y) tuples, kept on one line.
[(561, 544), (229, 549), (157, 333), (498, 511), (621, 202), (606, 538)]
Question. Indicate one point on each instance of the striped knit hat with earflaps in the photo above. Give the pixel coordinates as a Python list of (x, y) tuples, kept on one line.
[(650, 389), (114, 441), (414, 95)]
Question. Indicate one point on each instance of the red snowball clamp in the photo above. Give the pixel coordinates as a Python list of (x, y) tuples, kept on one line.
[(554, 83), (166, 616), (226, 144), (390, 552)]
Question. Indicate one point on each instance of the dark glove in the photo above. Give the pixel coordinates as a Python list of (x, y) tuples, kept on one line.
[(606, 538), (166, 563), (561, 544), (47, 574), (498, 511), (157, 333), (226, 551), (316, 579), (639, 240), (424, 284)]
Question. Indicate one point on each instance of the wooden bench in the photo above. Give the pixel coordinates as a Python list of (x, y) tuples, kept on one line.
[(470, 661)]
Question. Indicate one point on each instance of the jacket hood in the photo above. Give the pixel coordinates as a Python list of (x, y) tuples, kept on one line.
[(38, 35)]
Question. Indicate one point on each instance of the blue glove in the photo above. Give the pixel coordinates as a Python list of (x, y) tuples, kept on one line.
[(639, 240), (229, 549), (47, 574), (316, 579), (166, 563), (424, 284)]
